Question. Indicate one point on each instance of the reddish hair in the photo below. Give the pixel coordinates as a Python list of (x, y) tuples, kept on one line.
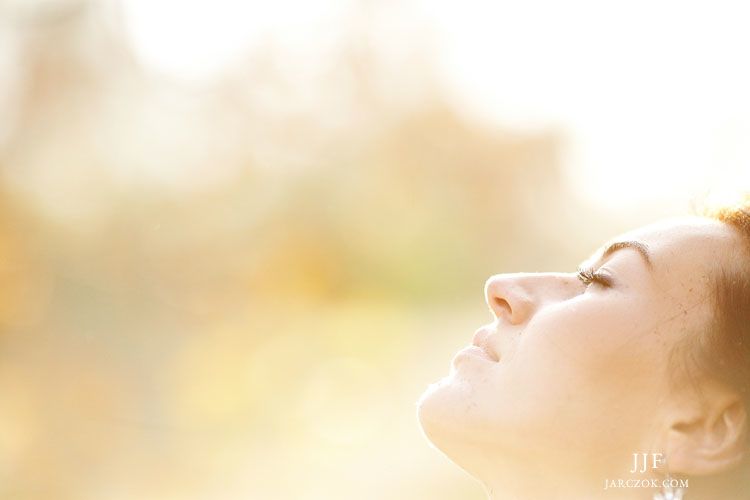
[(721, 350), (727, 344)]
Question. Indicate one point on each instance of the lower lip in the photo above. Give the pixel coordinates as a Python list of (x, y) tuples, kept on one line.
[(473, 351)]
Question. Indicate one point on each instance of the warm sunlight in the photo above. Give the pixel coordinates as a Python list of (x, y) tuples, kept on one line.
[(238, 239)]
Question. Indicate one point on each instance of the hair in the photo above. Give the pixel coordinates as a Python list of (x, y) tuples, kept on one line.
[(726, 344), (721, 350)]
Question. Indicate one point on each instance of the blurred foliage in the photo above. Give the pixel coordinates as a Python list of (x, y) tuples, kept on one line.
[(239, 289)]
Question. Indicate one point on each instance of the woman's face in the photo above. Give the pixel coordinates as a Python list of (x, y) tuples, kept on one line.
[(576, 372)]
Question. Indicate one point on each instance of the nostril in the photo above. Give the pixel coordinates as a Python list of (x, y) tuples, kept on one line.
[(502, 305)]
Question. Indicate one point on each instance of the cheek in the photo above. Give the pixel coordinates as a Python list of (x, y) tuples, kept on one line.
[(594, 356), (593, 335)]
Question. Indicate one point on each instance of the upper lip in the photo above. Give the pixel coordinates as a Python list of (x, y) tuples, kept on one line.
[(480, 340)]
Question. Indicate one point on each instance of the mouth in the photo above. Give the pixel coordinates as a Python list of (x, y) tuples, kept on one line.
[(480, 348), (480, 342), (470, 354), (476, 351)]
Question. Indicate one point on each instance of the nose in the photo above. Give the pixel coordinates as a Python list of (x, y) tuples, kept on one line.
[(515, 297), (507, 299)]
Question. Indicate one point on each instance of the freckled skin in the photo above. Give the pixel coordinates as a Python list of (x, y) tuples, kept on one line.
[(583, 371)]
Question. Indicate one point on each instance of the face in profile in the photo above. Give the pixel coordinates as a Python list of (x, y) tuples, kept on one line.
[(576, 370)]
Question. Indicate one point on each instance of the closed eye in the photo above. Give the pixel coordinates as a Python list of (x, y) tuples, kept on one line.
[(588, 276)]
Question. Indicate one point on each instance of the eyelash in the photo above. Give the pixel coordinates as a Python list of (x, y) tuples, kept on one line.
[(588, 276)]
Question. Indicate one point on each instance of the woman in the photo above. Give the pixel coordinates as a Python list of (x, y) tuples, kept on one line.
[(626, 380)]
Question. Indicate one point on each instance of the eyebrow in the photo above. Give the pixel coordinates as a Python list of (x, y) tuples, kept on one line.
[(635, 245)]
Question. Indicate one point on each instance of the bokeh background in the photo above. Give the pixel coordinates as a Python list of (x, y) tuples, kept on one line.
[(238, 239)]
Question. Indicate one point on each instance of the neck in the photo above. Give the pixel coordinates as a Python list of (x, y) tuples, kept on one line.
[(513, 484), (558, 488), (528, 478)]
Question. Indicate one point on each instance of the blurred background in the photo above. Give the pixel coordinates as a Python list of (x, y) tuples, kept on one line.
[(239, 239)]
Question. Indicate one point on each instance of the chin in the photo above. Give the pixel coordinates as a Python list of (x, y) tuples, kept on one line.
[(431, 407), (441, 410), (446, 423)]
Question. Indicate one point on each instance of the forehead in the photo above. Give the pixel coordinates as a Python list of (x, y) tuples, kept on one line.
[(690, 247)]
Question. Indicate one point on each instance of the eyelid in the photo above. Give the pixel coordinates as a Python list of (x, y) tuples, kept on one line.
[(594, 266), (588, 275)]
